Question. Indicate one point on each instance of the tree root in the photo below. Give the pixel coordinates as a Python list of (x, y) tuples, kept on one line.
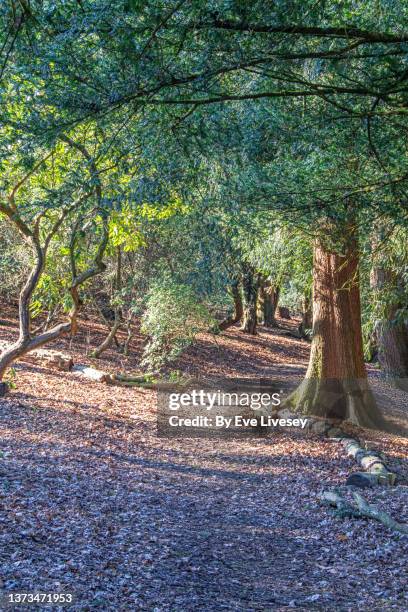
[(362, 510)]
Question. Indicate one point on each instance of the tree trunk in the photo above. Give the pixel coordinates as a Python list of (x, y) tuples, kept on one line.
[(117, 309), (238, 308), (250, 292), (26, 341), (21, 347), (390, 332), (336, 383), (284, 312), (307, 317), (269, 295), (129, 335), (109, 338), (393, 350)]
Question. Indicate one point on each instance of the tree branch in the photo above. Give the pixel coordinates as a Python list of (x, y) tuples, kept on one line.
[(346, 32)]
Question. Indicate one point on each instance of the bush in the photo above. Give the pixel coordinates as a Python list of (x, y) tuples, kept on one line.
[(172, 319), (14, 262)]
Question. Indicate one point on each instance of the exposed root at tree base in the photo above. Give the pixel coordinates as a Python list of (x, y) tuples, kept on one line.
[(346, 400)]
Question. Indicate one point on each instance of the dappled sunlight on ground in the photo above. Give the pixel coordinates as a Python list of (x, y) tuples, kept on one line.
[(93, 501)]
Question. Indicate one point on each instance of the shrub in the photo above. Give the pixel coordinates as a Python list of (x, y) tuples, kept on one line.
[(172, 319)]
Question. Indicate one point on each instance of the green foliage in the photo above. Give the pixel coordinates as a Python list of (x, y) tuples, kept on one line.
[(206, 147), (124, 231), (14, 261), (172, 320), (385, 257), (10, 378)]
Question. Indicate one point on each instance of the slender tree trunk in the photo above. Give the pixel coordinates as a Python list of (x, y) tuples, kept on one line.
[(336, 383), (129, 335), (238, 307), (26, 341), (109, 338), (117, 309), (307, 317), (250, 292), (270, 298)]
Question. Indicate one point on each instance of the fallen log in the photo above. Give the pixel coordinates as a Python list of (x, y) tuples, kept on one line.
[(132, 377), (91, 373), (140, 385), (284, 331), (363, 480), (119, 380), (371, 461), (146, 381), (363, 510), (335, 500)]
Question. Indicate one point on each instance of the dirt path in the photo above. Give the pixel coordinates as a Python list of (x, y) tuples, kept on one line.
[(92, 502)]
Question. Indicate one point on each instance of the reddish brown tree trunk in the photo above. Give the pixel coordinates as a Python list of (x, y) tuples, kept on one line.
[(392, 338), (336, 380)]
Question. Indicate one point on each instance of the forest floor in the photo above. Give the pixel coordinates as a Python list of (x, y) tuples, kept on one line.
[(94, 503)]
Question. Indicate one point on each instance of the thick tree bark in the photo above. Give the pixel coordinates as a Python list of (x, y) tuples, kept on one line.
[(392, 341), (336, 383), (250, 292), (238, 307), (284, 312), (391, 334), (269, 297)]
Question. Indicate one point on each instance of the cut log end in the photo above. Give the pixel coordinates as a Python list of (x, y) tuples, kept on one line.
[(92, 373)]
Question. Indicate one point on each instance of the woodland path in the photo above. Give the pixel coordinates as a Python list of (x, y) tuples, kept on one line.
[(92, 502)]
